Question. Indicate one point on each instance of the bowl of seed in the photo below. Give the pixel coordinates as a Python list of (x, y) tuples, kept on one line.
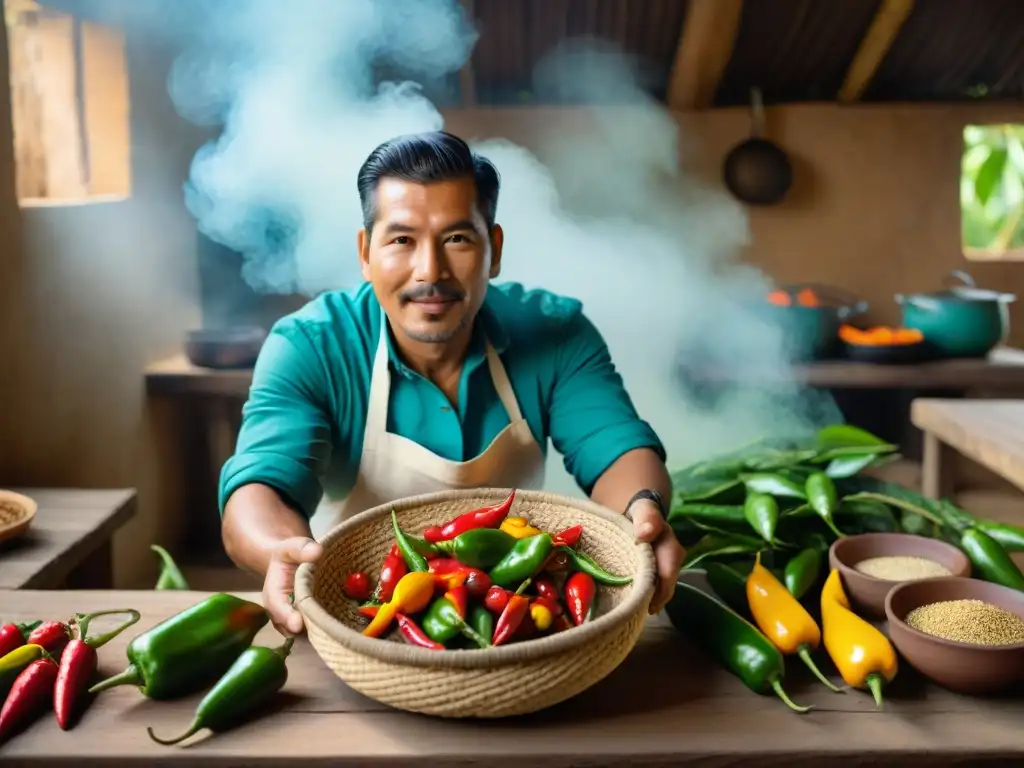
[(967, 635), (871, 564)]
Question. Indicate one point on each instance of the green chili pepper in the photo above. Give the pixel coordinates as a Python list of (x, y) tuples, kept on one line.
[(730, 639), (581, 561), (990, 559), (1011, 537), (413, 559), (848, 436), (257, 674), (864, 516), (848, 466), (762, 512), (730, 585), (171, 576), (482, 622), (523, 560), (823, 498), (802, 571), (442, 623), (714, 491), (190, 650), (479, 547), (774, 484), (713, 515), (716, 545)]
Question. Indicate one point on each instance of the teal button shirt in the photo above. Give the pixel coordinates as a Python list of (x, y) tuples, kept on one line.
[(302, 426)]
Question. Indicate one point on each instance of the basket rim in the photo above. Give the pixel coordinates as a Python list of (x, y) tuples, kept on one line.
[(641, 591)]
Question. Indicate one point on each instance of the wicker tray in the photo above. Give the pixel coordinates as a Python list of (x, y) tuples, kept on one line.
[(16, 513), (508, 680)]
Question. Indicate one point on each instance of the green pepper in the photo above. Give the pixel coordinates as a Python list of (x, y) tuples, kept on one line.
[(823, 498), (479, 547), (257, 674), (171, 576), (990, 559), (581, 561), (1011, 537), (731, 640), (191, 649), (482, 622), (762, 512), (775, 484), (413, 559), (866, 516), (523, 560), (442, 623), (713, 515), (802, 571), (730, 585)]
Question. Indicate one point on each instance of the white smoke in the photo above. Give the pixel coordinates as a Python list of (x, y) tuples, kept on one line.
[(610, 216)]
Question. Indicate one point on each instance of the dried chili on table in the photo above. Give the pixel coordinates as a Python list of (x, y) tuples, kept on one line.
[(191, 649), (257, 674), (78, 665), (14, 636), (485, 517), (30, 695)]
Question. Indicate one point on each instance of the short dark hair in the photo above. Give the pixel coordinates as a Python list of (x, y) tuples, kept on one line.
[(424, 158)]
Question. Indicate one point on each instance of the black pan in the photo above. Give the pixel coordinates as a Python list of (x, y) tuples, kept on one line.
[(757, 171)]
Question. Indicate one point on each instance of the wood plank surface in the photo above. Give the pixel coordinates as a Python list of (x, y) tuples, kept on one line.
[(665, 705), (990, 432), (70, 527)]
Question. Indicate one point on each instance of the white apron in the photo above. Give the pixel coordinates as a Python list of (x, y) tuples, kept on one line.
[(393, 467)]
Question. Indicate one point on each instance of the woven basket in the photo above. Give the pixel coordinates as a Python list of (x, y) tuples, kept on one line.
[(512, 679), (16, 513)]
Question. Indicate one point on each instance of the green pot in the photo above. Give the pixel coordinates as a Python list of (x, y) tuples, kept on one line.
[(812, 333), (963, 321)]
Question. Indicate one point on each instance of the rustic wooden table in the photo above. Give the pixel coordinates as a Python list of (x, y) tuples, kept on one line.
[(666, 705), (69, 541), (989, 432)]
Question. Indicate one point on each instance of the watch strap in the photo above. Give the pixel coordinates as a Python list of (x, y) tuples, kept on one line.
[(650, 495)]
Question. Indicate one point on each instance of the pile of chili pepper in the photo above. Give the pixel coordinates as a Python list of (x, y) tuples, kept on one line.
[(481, 579)]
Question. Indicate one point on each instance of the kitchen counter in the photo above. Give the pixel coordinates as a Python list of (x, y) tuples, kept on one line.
[(666, 705)]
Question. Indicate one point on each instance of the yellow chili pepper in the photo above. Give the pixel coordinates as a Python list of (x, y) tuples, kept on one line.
[(518, 527), (782, 619), (412, 594), (862, 654), (541, 615)]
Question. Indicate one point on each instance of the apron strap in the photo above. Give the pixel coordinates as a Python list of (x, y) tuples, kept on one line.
[(503, 386)]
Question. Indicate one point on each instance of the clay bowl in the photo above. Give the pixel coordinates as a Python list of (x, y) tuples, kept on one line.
[(961, 667), (867, 594), (16, 513)]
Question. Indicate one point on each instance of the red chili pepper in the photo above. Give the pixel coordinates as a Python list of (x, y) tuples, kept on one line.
[(561, 623), (579, 596), (391, 572), (545, 587), (477, 582), (496, 599), (369, 611), (78, 665), (357, 586), (412, 632), (31, 693), (448, 581), (14, 636), (485, 517), (441, 566), (512, 616), (570, 537), (53, 636), (459, 597)]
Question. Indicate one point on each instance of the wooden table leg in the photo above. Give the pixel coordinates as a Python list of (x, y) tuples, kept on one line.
[(95, 572), (937, 468)]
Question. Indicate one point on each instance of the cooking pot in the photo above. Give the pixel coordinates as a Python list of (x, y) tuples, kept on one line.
[(811, 326), (962, 321)]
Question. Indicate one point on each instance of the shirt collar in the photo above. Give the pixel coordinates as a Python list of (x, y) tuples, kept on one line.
[(487, 326)]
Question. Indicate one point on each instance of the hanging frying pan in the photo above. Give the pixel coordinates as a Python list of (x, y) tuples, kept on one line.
[(757, 171)]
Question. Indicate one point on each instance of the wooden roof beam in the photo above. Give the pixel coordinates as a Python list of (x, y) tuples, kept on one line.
[(704, 50), (880, 36)]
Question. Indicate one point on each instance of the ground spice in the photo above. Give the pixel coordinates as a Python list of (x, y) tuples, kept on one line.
[(968, 621), (901, 568)]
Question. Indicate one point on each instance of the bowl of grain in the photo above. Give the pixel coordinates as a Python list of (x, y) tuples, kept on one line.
[(871, 564), (967, 635)]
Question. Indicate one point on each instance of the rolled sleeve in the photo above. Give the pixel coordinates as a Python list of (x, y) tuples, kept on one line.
[(285, 436), (592, 420)]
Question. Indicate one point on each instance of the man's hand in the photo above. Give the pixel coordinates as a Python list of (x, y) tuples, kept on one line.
[(279, 584), (652, 528)]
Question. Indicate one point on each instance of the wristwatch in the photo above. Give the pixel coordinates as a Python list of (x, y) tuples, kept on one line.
[(650, 495)]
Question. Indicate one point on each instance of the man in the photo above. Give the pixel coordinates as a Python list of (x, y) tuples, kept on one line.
[(428, 377)]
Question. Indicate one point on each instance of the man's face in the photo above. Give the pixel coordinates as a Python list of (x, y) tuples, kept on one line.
[(430, 256)]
